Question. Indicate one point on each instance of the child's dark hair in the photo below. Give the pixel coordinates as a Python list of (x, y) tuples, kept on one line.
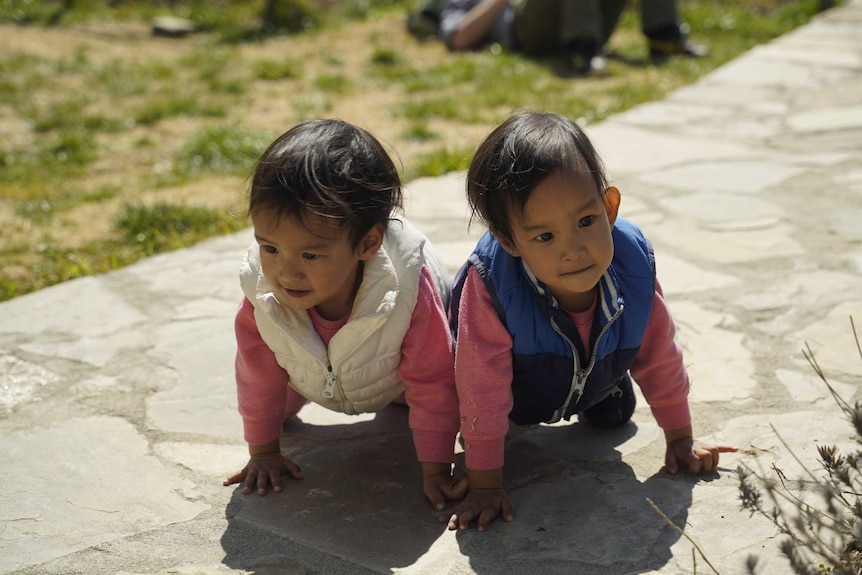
[(328, 168), (517, 156)]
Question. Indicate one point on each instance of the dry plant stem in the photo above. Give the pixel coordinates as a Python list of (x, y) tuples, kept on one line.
[(805, 539), (856, 337), (812, 361), (788, 496), (787, 447), (683, 533)]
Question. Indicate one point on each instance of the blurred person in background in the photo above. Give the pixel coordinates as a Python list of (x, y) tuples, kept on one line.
[(577, 29)]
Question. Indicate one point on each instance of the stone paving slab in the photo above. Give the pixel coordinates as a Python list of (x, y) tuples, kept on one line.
[(118, 413)]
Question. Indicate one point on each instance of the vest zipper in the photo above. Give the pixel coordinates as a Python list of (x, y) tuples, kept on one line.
[(331, 380), (579, 380)]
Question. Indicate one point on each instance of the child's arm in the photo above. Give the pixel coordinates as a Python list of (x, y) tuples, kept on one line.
[(483, 375), (261, 394), (428, 371), (660, 372), (475, 25)]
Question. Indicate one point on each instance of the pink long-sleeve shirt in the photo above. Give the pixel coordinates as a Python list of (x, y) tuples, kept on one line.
[(426, 369), (483, 371)]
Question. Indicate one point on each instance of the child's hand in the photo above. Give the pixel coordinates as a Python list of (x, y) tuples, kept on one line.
[(483, 506), (486, 500), (696, 456), (264, 470), (438, 484)]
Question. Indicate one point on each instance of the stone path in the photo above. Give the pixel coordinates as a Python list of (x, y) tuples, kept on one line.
[(118, 413)]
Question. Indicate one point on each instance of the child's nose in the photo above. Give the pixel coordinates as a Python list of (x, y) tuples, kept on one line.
[(289, 269), (573, 248)]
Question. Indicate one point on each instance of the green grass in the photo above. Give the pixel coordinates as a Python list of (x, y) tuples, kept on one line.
[(191, 105), (53, 158), (127, 134), (439, 162), (223, 149), (163, 226), (270, 69)]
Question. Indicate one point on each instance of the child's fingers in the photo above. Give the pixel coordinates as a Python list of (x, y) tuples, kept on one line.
[(235, 478), (466, 518), (709, 456), (485, 517), (704, 461), (459, 489), (453, 522), (275, 479), (250, 482), (262, 482), (670, 462), (508, 510), (436, 498), (461, 519), (293, 469)]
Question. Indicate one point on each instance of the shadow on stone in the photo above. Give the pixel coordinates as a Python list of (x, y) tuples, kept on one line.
[(579, 508), (361, 500)]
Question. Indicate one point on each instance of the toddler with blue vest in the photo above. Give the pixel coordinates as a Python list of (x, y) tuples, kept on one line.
[(344, 304), (557, 309)]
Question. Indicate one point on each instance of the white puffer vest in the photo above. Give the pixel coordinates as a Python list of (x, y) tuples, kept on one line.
[(359, 372)]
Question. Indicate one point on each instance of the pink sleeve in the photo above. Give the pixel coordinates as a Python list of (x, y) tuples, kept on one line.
[(260, 382), (483, 375), (659, 370), (428, 371)]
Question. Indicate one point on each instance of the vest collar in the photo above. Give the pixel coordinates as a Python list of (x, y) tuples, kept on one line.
[(610, 300)]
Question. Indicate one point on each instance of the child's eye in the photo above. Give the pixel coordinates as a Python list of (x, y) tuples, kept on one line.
[(545, 237), (308, 256), (586, 221), (269, 249)]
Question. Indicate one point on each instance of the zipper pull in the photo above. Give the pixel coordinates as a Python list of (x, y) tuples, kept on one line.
[(329, 388), (581, 382)]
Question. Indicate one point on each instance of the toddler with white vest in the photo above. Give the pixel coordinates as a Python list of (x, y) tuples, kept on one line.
[(344, 304)]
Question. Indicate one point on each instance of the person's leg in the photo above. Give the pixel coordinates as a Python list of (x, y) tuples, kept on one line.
[(536, 26), (580, 31), (614, 410), (658, 15), (580, 21), (610, 17), (569, 27), (666, 35)]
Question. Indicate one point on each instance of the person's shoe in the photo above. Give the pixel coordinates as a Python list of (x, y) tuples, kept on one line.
[(598, 66), (595, 66), (588, 60), (673, 42)]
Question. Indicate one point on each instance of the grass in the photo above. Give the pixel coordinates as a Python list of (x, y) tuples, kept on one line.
[(115, 148)]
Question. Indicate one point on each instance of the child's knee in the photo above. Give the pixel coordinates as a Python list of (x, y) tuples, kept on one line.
[(614, 410)]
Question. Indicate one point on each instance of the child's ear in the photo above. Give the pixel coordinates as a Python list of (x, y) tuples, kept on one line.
[(371, 242), (507, 245), (612, 203)]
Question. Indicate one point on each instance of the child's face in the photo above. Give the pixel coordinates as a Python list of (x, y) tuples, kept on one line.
[(564, 236), (315, 267)]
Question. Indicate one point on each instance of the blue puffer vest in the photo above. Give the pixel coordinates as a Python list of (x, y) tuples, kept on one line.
[(550, 378)]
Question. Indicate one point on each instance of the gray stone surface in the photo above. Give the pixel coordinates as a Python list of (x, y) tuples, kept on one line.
[(118, 413)]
